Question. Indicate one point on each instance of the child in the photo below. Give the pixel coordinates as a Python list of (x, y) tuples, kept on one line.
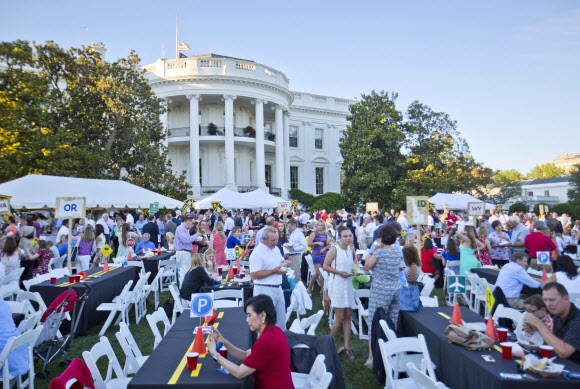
[(43, 256)]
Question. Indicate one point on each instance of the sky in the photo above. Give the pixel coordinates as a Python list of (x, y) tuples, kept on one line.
[(506, 71)]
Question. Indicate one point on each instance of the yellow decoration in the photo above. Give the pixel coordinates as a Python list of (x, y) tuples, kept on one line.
[(489, 299), (106, 250)]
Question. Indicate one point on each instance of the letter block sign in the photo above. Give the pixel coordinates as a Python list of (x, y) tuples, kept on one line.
[(70, 207), (475, 209)]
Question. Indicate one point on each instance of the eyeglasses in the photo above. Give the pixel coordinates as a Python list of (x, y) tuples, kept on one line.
[(532, 311)]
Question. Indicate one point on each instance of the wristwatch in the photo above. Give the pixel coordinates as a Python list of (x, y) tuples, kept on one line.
[(215, 357)]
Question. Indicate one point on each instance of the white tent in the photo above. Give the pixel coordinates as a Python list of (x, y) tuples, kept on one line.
[(456, 201), (234, 200), (40, 192)]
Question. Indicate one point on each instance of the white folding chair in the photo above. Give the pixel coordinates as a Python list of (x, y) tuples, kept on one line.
[(59, 272), (404, 357), (153, 287), (135, 298), (307, 325), (119, 306), (534, 272), (317, 378), (181, 272), (102, 349), (16, 306), (134, 359), (422, 380), (478, 289), (311, 268), (429, 301), (27, 298), (154, 318), (363, 314), (391, 351), (137, 264), (168, 270), (177, 306), (12, 344), (502, 312), (10, 284), (429, 285), (227, 294), (30, 323)]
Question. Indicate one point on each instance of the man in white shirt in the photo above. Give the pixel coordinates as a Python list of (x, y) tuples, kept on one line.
[(503, 218), (63, 230), (297, 241), (89, 220), (403, 220), (512, 277), (266, 272), (128, 217), (492, 217), (462, 223), (104, 222), (304, 218), (228, 224), (270, 222), (518, 234), (371, 227)]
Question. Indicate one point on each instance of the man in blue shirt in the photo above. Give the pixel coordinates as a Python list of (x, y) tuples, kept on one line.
[(144, 244), (512, 278)]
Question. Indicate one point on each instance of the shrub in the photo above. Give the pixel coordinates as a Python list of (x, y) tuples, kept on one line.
[(330, 201), (306, 199), (212, 129), (519, 207)]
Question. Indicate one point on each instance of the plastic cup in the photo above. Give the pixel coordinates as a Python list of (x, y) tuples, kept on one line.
[(220, 270), (52, 280), (71, 279), (546, 351), (192, 361), (242, 275), (77, 278), (506, 350), (502, 334), (235, 270), (224, 352)]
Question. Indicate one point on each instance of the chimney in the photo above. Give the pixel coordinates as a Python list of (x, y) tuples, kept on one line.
[(99, 48)]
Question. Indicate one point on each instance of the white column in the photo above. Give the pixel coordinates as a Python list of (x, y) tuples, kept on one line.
[(260, 159), (165, 120), (194, 144), (229, 147), (279, 149), (286, 154)]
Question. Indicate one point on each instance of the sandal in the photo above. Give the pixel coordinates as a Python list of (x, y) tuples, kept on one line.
[(339, 349), (349, 354), (309, 293), (369, 363)]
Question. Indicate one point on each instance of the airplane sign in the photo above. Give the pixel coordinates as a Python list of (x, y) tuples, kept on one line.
[(456, 284)]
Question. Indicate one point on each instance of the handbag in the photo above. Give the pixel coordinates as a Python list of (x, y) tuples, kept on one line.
[(327, 301), (409, 298)]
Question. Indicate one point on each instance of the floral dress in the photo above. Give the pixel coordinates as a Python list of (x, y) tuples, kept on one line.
[(43, 260), (385, 284), (318, 255), (484, 256), (501, 253)]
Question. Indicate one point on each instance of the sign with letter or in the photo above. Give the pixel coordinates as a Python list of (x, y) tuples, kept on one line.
[(417, 209), (106, 250), (215, 205), (201, 304), (475, 209), (543, 257), (372, 207), (456, 284), (153, 208), (284, 206), (489, 299), (70, 207), (5, 205)]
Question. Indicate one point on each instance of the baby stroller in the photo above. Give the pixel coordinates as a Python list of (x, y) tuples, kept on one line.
[(49, 346)]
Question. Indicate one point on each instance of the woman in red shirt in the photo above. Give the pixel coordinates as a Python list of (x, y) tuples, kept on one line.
[(427, 254), (269, 357)]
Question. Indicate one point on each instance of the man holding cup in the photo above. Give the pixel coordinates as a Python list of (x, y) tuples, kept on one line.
[(296, 246), (565, 336)]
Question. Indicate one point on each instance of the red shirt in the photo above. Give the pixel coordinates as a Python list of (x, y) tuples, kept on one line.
[(451, 220), (426, 257), (537, 241), (270, 357)]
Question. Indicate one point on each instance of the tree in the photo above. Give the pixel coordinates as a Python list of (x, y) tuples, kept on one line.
[(519, 207), (329, 201), (78, 115), (371, 148), (544, 170), (574, 192), (506, 176), (438, 159)]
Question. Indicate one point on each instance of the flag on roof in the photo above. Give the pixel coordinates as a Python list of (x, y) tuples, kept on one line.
[(181, 55), (183, 46)]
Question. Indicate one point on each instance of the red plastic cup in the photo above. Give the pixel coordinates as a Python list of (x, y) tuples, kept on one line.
[(192, 361), (235, 270), (71, 279), (77, 278), (502, 334), (506, 350), (546, 351), (224, 352), (242, 275), (220, 270), (52, 280)]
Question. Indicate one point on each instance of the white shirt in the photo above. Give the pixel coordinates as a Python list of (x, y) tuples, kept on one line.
[(298, 241), (63, 231), (55, 252), (90, 222), (265, 258), (402, 220), (511, 279), (461, 225), (370, 228), (492, 219), (304, 218), (130, 219), (104, 224), (503, 218), (229, 224)]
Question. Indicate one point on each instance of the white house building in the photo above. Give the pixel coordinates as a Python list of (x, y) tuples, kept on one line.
[(236, 123), (549, 191)]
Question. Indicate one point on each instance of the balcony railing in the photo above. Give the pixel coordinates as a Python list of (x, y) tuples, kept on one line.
[(245, 189), (276, 191), (219, 131), (552, 199), (209, 190)]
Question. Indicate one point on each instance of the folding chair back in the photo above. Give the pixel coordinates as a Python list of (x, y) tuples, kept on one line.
[(153, 287), (314, 377), (118, 306), (133, 357), (99, 350), (10, 283), (309, 324), (58, 273), (226, 294), (429, 285), (421, 379), (502, 312), (12, 344), (429, 301), (30, 323), (27, 298), (397, 348), (168, 270), (177, 306), (154, 318), (363, 314), (311, 267), (137, 264)]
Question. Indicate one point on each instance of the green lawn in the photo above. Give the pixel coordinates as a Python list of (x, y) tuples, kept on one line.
[(355, 374)]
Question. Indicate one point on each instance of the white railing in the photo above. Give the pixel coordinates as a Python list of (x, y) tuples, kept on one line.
[(210, 63), (151, 68), (176, 64), (245, 66), (341, 102), (318, 99)]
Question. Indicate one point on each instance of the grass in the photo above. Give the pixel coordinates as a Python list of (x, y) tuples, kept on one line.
[(354, 372)]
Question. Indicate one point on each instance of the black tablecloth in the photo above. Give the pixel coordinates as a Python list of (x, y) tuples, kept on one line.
[(152, 263), (458, 367), (103, 289), (168, 363), (248, 289), (491, 276)]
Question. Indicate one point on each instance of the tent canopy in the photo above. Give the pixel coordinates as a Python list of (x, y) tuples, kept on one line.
[(234, 200), (40, 192), (456, 201)]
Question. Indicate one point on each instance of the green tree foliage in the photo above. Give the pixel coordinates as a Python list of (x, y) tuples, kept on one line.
[(306, 199), (545, 170), (330, 201), (371, 148), (507, 192), (519, 207), (506, 176), (574, 192), (77, 115), (438, 159)]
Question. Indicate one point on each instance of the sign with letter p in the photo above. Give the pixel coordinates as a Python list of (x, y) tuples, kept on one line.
[(201, 304), (70, 207), (543, 257)]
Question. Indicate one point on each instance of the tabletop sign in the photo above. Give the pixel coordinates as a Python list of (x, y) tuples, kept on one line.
[(130, 242), (543, 257), (456, 284), (417, 209), (489, 299), (201, 304), (106, 250), (475, 209), (372, 207), (70, 207), (284, 206), (153, 208)]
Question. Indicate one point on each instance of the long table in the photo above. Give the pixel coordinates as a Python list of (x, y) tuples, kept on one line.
[(491, 276), (166, 367), (459, 367), (151, 264), (104, 288)]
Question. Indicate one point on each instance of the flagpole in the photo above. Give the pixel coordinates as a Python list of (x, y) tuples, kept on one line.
[(176, 36)]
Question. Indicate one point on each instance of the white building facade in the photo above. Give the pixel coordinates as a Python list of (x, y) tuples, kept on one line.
[(251, 130), (549, 191)]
